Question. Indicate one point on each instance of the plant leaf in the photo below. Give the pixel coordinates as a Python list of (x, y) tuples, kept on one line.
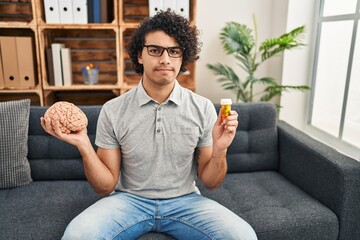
[(238, 41), (267, 81), (229, 80), (271, 47), (276, 90), (237, 38)]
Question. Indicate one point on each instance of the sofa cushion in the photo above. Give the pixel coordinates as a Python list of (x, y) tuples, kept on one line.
[(52, 159), (42, 210), (274, 207), (255, 147), (14, 122)]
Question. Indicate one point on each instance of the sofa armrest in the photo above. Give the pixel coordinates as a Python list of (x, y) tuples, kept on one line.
[(327, 175)]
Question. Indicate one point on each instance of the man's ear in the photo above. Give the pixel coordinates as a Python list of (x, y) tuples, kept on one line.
[(139, 58)]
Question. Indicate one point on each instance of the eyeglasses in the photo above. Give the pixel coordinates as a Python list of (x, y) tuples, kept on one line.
[(157, 51)]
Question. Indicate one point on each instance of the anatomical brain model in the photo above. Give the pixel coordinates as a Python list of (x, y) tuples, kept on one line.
[(70, 117)]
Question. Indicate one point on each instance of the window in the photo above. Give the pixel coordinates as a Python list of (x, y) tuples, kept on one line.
[(335, 101)]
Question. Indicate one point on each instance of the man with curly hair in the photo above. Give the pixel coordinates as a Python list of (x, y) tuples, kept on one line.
[(153, 142)]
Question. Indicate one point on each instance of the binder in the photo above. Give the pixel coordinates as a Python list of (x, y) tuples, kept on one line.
[(2, 83), (104, 12), (155, 6), (25, 59), (10, 64), (90, 11), (66, 66), (50, 67), (58, 77), (169, 5), (183, 8), (80, 14), (97, 11), (52, 14), (66, 11)]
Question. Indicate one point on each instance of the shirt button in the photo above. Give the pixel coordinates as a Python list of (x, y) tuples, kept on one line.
[(158, 131), (159, 108), (159, 119)]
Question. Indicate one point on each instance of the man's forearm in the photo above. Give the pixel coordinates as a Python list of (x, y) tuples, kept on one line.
[(215, 171), (96, 172)]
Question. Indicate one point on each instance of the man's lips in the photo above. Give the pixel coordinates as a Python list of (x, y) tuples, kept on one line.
[(162, 69)]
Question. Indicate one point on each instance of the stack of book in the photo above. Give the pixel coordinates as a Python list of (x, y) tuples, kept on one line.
[(59, 65)]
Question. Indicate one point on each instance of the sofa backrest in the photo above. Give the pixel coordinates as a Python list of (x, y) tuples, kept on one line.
[(255, 147), (50, 158)]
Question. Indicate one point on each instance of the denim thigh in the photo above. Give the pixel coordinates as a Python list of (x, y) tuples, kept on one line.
[(194, 216), (126, 216), (117, 216)]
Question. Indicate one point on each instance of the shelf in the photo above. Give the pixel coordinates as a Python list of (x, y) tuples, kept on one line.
[(36, 95), (9, 90), (98, 97), (82, 87), (41, 21), (17, 25), (88, 26), (17, 12), (101, 44), (22, 85), (132, 12), (97, 47)]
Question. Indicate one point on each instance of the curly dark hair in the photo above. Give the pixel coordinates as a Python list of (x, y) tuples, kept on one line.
[(175, 26)]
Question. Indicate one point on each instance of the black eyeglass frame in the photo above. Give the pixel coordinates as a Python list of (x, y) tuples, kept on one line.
[(163, 49)]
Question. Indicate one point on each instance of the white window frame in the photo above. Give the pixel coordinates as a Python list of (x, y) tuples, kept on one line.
[(329, 139)]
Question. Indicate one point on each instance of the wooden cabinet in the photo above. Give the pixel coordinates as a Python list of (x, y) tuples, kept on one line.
[(101, 44), (18, 19)]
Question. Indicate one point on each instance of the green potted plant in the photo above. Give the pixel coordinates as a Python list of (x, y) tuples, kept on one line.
[(238, 41)]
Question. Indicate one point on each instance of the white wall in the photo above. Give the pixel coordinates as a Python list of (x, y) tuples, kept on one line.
[(297, 64), (211, 18), (274, 17)]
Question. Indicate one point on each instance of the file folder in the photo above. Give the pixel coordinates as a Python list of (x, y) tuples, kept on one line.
[(80, 14), (50, 67), (10, 64), (52, 14), (66, 11), (97, 11), (169, 5), (104, 12), (25, 59), (56, 54), (90, 11), (66, 66), (182, 8), (155, 6), (2, 83)]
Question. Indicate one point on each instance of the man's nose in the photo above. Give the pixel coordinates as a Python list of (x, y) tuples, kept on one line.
[(165, 58)]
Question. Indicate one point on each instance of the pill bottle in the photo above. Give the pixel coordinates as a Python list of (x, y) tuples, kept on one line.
[(225, 107)]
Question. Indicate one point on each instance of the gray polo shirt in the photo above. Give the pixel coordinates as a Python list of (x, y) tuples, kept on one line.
[(157, 141)]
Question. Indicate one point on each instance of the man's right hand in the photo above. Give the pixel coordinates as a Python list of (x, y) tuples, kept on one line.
[(77, 138)]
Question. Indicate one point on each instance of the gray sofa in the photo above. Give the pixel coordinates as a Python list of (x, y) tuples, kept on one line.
[(285, 184)]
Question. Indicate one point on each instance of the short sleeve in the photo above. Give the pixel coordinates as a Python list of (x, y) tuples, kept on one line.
[(210, 117), (105, 134)]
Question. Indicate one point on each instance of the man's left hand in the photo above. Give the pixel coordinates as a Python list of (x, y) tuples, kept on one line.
[(224, 131)]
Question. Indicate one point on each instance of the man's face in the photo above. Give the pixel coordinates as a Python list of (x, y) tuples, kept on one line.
[(160, 70)]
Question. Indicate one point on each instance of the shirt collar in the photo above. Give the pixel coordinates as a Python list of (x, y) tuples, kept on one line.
[(144, 98), (175, 95)]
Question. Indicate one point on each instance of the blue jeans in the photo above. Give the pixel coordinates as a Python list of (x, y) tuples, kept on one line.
[(126, 216)]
